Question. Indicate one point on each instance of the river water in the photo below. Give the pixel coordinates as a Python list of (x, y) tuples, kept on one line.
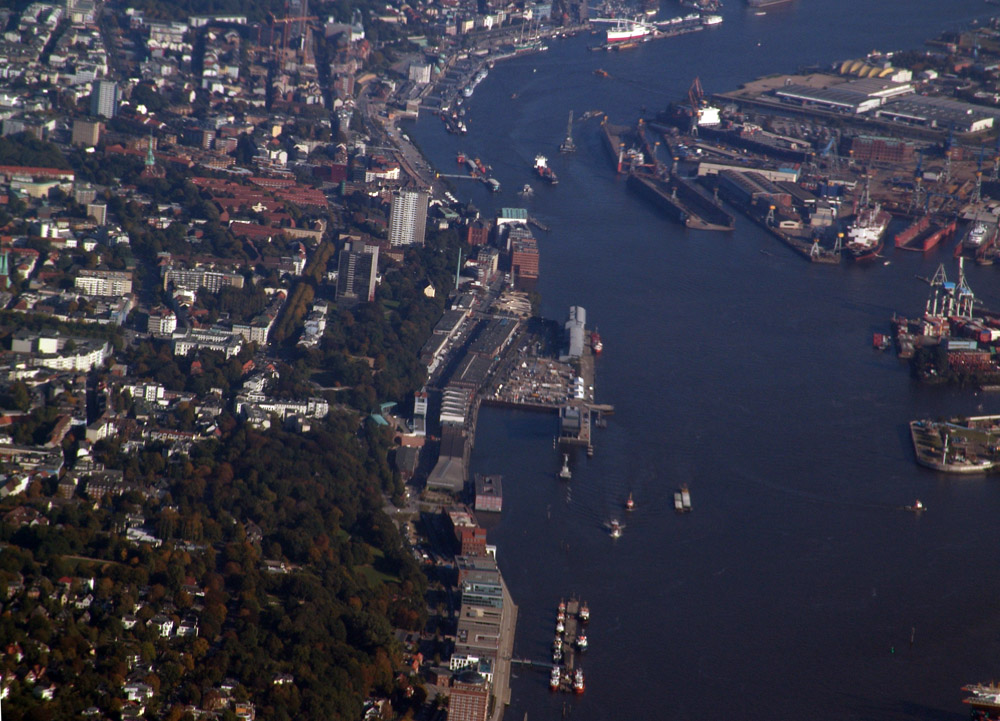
[(795, 587)]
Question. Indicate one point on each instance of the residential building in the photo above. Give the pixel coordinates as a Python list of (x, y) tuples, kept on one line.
[(408, 219), (104, 99), (86, 133), (104, 282), (356, 273)]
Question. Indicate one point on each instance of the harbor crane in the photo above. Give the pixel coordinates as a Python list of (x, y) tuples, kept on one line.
[(696, 97)]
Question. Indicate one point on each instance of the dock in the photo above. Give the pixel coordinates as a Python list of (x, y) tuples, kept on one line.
[(967, 446)]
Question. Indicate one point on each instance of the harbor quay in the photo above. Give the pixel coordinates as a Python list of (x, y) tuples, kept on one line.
[(959, 445)]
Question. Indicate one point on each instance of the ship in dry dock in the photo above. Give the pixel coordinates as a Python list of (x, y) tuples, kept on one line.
[(925, 233)]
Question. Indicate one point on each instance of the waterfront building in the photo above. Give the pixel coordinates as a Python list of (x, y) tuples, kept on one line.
[(104, 99), (489, 494), (470, 698), (356, 273), (408, 218)]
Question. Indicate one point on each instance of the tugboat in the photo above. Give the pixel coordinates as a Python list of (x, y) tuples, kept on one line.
[(461, 158), (562, 606), (555, 678), (584, 613), (581, 641), (578, 685), (616, 529), (527, 190), (629, 503), (564, 472), (544, 171)]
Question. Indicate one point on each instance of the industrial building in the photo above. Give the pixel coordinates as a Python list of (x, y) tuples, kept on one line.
[(853, 97), (937, 112)]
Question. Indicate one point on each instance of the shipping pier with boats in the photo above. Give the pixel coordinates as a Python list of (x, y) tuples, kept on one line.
[(565, 671), (565, 386)]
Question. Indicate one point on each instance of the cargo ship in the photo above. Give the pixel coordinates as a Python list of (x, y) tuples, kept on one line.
[(544, 171), (627, 30), (926, 233), (865, 234)]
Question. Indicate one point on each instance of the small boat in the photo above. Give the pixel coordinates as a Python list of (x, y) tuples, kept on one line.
[(584, 613), (595, 342), (629, 503), (562, 606), (578, 685), (561, 616), (685, 497), (616, 529), (527, 190), (917, 507), (678, 502), (555, 678), (560, 627), (564, 472), (581, 641), (557, 654), (601, 73)]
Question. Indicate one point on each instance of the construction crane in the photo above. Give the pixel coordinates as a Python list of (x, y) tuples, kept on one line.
[(696, 97), (285, 22)]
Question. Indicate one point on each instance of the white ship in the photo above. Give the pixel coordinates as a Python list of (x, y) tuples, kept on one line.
[(625, 30)]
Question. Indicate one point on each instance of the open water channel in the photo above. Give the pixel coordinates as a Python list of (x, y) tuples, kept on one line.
[(794, 588)]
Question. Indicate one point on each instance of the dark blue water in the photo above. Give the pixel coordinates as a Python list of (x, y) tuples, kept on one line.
[(793, 589)]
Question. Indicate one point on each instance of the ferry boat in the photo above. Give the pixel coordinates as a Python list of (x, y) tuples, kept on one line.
[(627, 30), (578, 685), (616, 529), (584, 613), (544, 171), (555, 678), (629, 503), (581, 641), (682, 500), (565, 474)]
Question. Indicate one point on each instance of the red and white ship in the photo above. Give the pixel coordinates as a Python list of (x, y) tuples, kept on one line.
[(578, 685), (625, 30), (595, 342)]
